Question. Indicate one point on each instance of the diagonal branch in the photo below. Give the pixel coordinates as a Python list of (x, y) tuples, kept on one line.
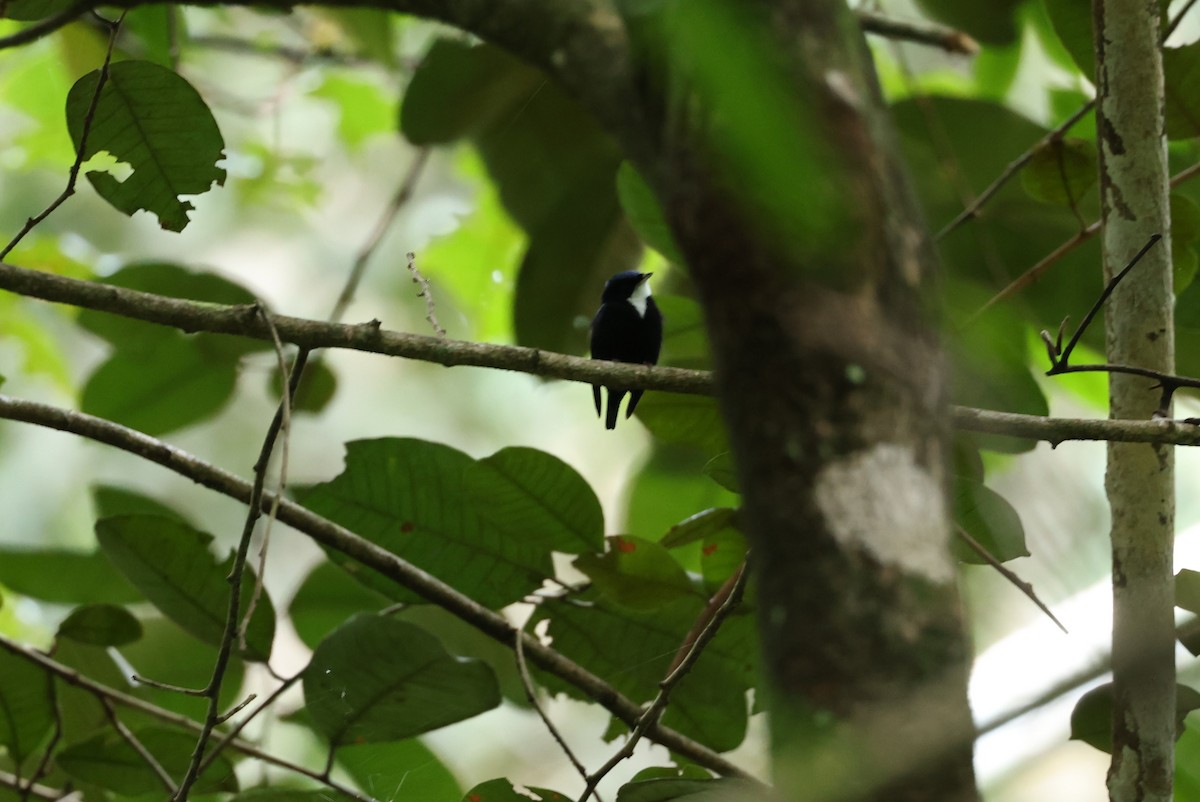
[(329, 534)]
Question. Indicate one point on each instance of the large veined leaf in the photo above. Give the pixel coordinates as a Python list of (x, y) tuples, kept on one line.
[(636, 573), (63, 577), (502, 790), (410, 497), (26, 708), (375, 679), (172, 564), (538, 498), (634, 649), (101, 625), (399, 770), (111, 762), (152, 119), (725, 789), (987, 517)]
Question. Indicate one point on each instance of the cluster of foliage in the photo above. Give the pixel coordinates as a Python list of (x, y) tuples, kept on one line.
[(384, 667)]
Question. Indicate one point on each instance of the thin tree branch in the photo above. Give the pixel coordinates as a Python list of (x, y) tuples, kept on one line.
[(44, 27), (192, 316), (1012, 578), (100, 691), (230, 738), (389, 565), (531, 695), (654, 712), (73, 174), (127, 735), (921, 32)]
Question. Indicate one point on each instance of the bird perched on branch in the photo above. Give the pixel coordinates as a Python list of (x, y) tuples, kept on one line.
[(627, 328)]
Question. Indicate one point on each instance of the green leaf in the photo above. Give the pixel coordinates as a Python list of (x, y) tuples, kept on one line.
[(1061, 171), (634, 649), (666, 491), (1072, 21), (111, 500), (636, 573), (535, 496), (399, 770), (171, 563), (410, 497), (326, 599), (317, 387), (27, 10), (1187, 590), (986, 516), (990, 21), (109, 761), (26, 710), (699, 526), (722, 471), (725, 789), (101, 625), (152, 119), (175, 281), (377, 679), (644, 212), (501, 790), (722, 554), (1091, 720), (172, 385), (691, 420), (64, 577), (1181, 71)]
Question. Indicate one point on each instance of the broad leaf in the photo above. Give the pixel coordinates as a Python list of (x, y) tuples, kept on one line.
[(101, 625), (1061, 171), (64, 577), (644, 213), (502, 790), (152, 119), (109, 761), (329, 597), (410, 497), (1091, 720), (26, 709), (634, 649), (399, 770), (987, 517), (725, 789), (636, 573), (699, 526), (376, 679), (535, 496), (684, 419), (172, 564)]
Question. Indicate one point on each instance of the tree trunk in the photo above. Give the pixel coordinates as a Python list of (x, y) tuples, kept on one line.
[(818, 291), (1140, 478)]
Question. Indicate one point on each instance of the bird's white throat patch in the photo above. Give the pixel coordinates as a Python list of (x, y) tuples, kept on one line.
[(641, 293)]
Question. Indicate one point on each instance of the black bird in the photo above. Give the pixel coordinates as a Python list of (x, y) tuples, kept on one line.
[(627, 328)]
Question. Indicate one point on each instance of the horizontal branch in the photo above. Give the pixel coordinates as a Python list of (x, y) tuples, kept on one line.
[(375, 557), (245, 321)]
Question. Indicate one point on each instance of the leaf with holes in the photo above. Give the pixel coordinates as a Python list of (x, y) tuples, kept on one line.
[(171, 563), (150, 118), (376, 679)]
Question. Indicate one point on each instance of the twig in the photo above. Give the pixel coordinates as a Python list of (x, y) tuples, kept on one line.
[(653, 713), (926, 33), (426, 293), (166, 686), (531, 695), (710, 611), (372, 556), (1015, 580), (43, 27), (398, 201), (96, 689), (1011, 170), (231, 736), (127, 735), (73, 175), (237, 572)]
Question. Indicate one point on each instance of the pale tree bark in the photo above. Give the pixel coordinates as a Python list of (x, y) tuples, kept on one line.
[(1140, 478)]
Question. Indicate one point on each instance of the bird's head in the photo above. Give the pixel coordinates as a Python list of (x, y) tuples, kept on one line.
[(629, 285)]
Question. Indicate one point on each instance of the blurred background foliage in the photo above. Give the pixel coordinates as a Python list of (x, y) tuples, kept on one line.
[(519, 207)]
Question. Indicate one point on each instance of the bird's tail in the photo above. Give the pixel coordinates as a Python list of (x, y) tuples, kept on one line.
[(634, 397), (614, 407), (596, 398)]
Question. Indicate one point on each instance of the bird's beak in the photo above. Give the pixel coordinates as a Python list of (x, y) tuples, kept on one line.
[(644, 277)]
